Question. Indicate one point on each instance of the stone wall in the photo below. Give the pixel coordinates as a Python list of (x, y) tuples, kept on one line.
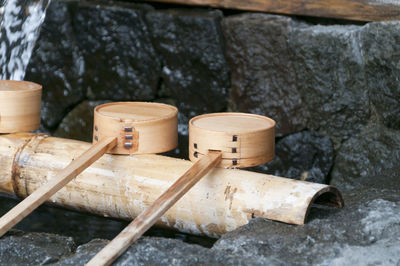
[(333, 89)]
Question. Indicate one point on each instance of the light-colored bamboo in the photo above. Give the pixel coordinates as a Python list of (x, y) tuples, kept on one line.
[(244, 139), (34, 200), (19, 106), (124, 186), (141, 127), (152, 214), (118, 127)]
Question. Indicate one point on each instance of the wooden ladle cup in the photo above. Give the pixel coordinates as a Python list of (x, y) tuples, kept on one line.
[(19, 106), (119, 128), (221, 139)]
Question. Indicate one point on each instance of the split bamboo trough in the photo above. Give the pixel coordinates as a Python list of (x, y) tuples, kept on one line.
[(124, 186)]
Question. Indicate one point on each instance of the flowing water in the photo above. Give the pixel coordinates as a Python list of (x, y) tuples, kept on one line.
[(19, 30)]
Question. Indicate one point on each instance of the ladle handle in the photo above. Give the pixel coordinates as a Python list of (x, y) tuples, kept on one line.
[(29, 204), (148, 217)]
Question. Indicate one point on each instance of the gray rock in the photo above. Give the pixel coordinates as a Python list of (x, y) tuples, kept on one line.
[(146, 251), (84, 253), (161, 251), (371, 158), (304, 156), (33, 248), (120, 62), (263, 75), (331, 79), (57, 64), (380, 44), (78, 124), (369, 222), (195, 72)]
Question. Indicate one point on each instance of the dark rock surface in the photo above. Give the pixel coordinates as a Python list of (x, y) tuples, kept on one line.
[(120, 62), (371, 158), (263, 75), (331, 78), (147, 251), (380, 44), (78, 124), (84, 253), (58, 65), (365, 232), (17, 248), (195, 72), (304, 156)]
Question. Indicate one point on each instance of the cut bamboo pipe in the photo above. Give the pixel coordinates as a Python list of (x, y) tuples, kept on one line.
[(16, 214), (149, 217), (124, 186)]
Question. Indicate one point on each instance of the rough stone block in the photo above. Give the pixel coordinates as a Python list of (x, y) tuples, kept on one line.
[(331, 78), (365, 232), (306, 156), (34, 248), (120, 62), (372, 158), (195, 72), (380, 46), (57, 64), (263, 75)]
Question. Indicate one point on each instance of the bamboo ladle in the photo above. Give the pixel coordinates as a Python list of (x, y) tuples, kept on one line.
[(220, 139), (119, 128)]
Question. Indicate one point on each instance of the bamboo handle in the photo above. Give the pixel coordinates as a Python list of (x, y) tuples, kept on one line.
[(34, 200), (147, 218)]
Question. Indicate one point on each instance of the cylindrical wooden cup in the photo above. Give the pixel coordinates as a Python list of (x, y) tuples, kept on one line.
[(245, 140), (141, 127), (19, 106)]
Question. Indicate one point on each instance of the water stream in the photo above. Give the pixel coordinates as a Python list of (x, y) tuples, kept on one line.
[(19, 30)]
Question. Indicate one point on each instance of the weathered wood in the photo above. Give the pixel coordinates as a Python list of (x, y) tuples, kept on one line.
[(28, 205), (362, 10), (149, 217), (124, 186)]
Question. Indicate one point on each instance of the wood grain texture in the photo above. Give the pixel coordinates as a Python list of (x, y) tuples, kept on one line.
[(361, 10), (19, 106), (141, 127), (124, 186), (150, 216), (16, 214), (245, 140)]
